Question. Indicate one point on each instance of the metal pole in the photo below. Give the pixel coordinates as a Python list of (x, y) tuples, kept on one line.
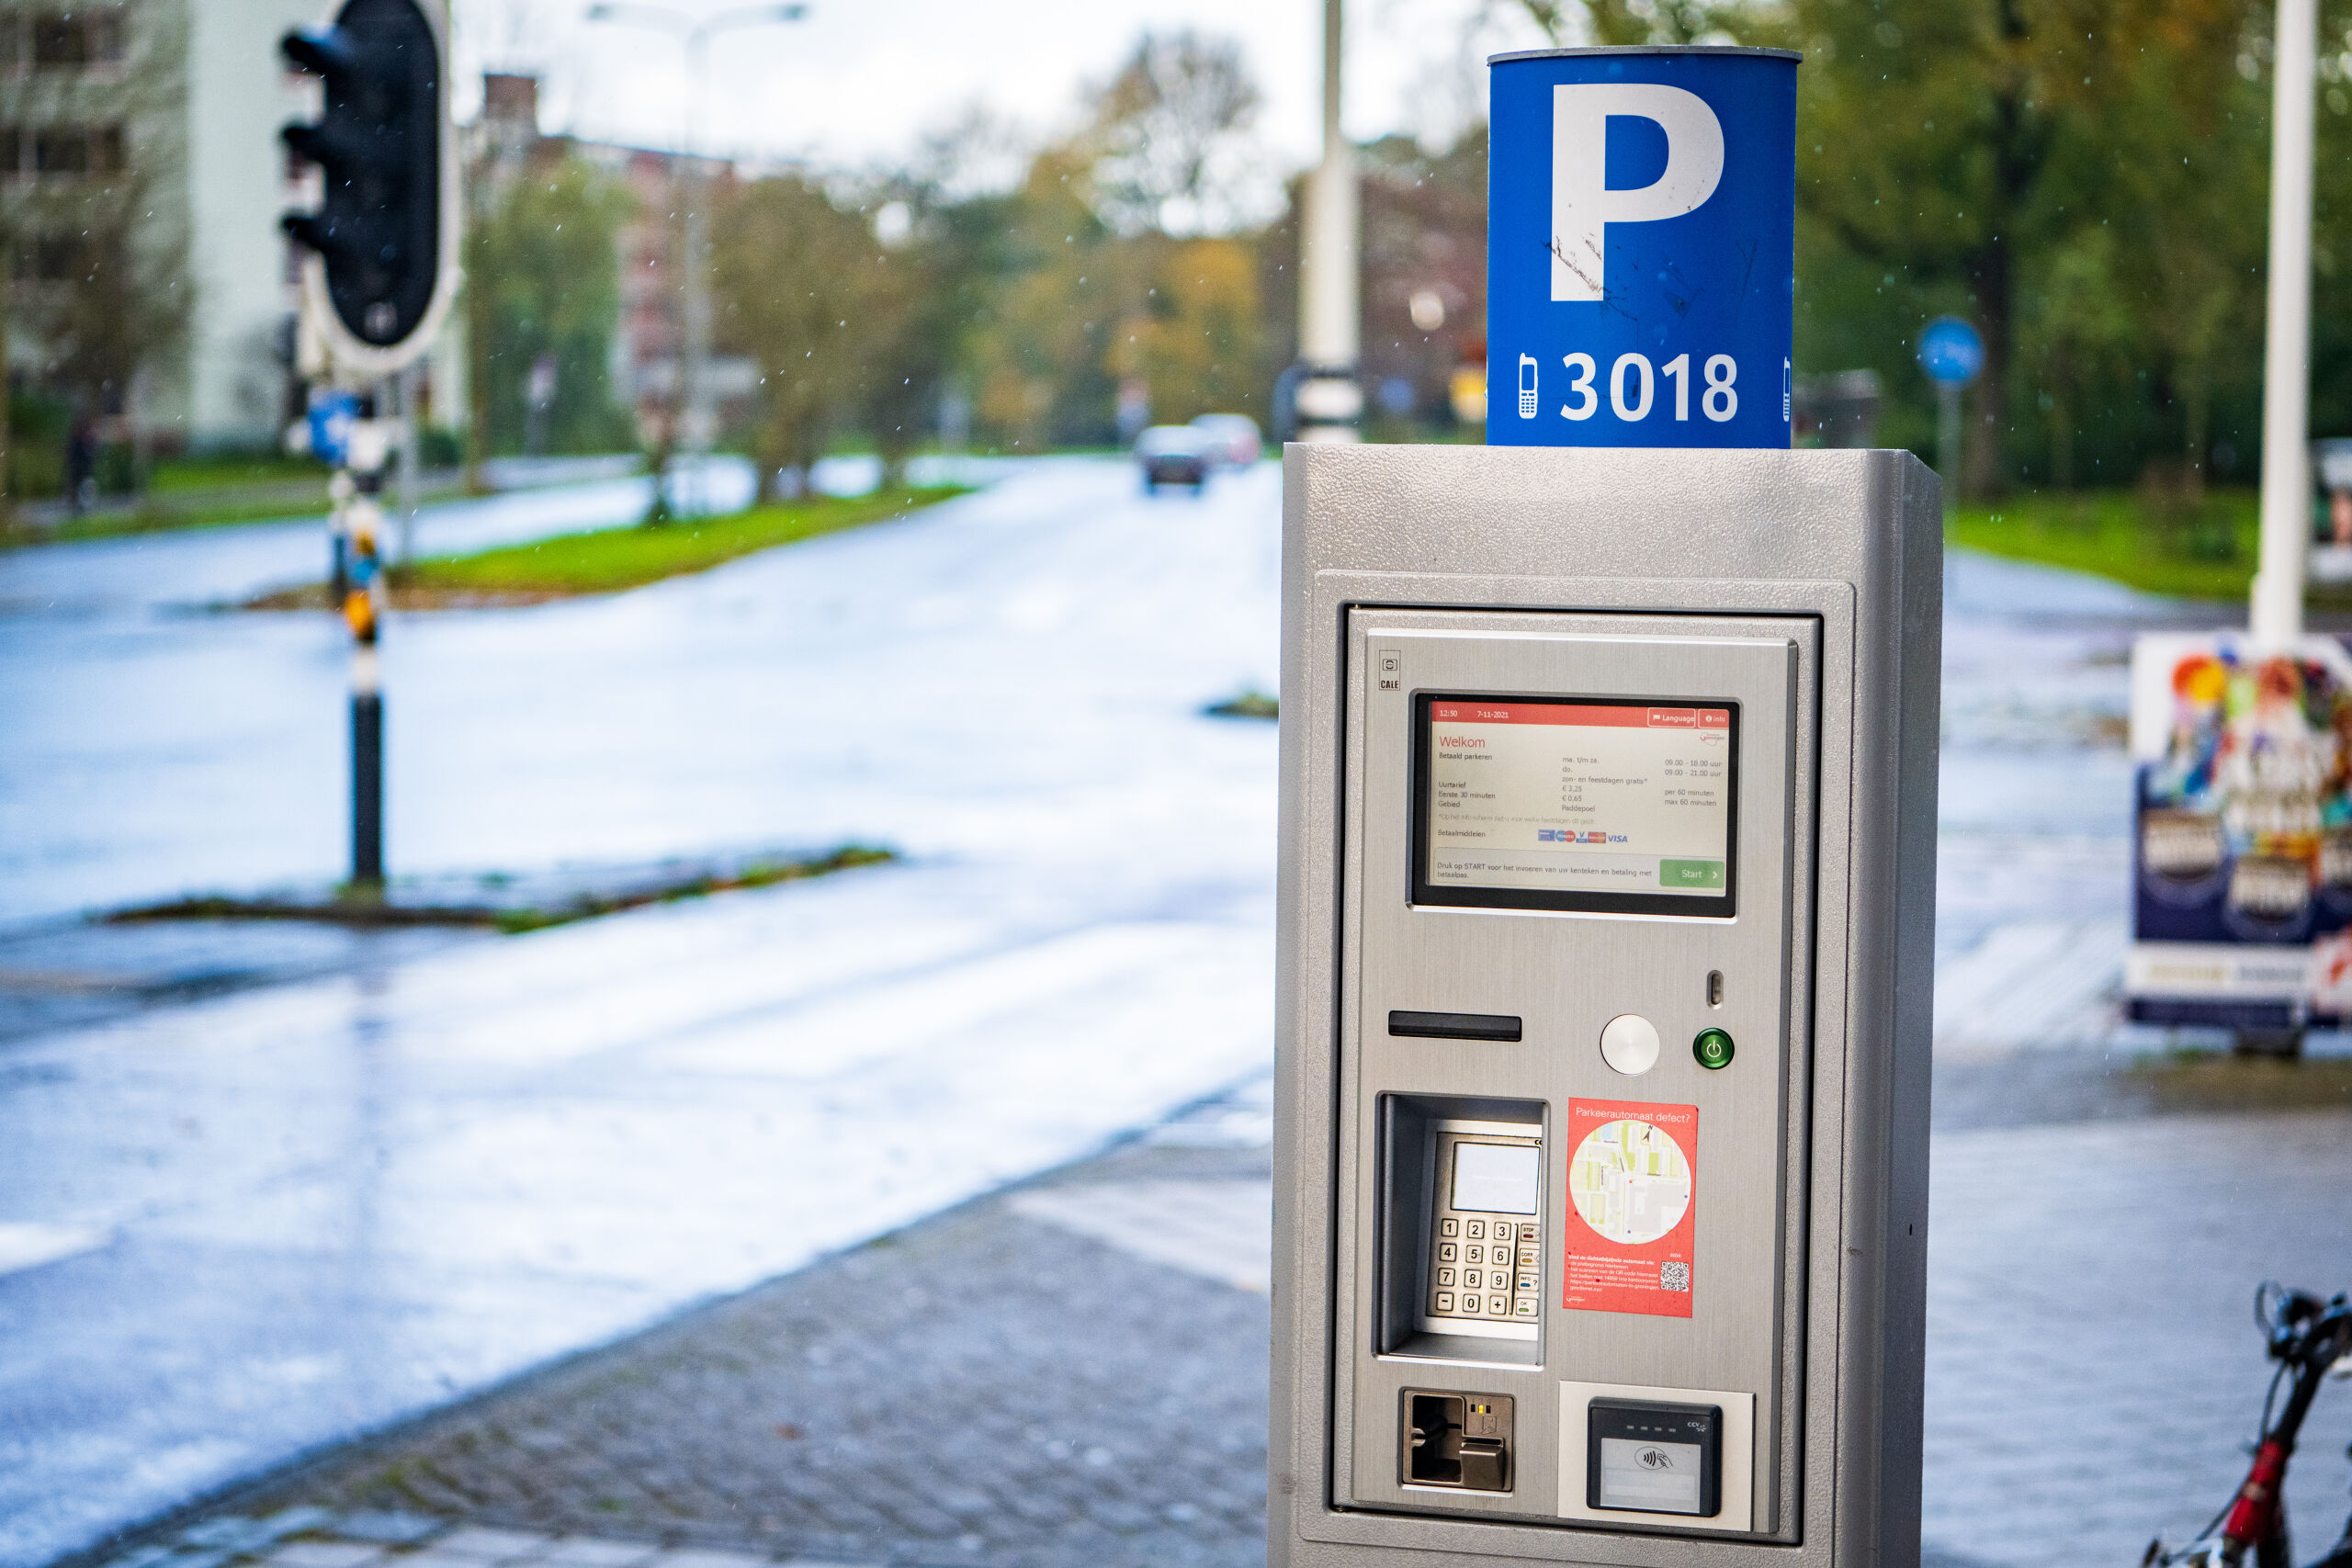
[(367, 771), (1330, 398), (699, 417), (406, 496), (362, 612), (701, 421), (2277, 617), (1948, 441), (339, 494)]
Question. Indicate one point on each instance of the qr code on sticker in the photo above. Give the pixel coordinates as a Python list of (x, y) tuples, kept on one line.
[(1674, 1276)]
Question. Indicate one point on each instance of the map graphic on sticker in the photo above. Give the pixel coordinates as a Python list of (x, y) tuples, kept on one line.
[(1630, 1182)]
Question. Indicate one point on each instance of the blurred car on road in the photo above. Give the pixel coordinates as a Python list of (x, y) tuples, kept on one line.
[(1175, 455), (1234, 436)]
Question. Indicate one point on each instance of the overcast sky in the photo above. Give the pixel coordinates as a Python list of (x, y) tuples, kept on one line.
[(858, 82)]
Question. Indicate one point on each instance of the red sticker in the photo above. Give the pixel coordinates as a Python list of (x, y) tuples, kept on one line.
[(1633, 1207)]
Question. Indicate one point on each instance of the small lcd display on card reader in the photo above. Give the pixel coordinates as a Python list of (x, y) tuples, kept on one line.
[(1649, 1457)]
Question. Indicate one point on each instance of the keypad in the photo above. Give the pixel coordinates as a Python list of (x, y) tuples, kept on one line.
[(1498, 1278)]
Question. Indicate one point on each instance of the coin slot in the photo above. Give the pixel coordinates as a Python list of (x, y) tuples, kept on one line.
[(1715, 987)]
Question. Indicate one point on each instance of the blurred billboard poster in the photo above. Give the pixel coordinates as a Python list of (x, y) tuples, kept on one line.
[(2241, 872)]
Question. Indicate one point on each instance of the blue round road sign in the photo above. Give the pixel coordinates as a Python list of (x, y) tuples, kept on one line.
[(1950, 352)]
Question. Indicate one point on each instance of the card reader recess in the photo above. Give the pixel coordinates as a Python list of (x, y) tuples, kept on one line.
[(1457, 1440)]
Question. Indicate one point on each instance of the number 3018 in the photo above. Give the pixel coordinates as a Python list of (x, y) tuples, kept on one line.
[(1632, 387)]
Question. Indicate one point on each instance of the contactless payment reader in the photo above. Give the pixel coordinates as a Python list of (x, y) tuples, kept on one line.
[(1608, 844)]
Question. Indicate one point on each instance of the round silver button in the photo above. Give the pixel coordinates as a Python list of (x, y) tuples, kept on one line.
[(1629, 1043)]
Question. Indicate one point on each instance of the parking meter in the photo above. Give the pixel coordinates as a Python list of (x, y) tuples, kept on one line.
[(1606, 964)]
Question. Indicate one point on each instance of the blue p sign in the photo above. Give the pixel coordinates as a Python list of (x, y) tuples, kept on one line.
[(1584, 204), (1641, 229)]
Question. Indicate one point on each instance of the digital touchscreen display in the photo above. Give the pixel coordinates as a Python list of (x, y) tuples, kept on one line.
[(1496, 1178), (1576, 803)]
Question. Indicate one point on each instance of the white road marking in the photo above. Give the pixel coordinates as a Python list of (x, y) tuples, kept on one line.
[(1220, 1230), (25, 1244), (2033, 983)]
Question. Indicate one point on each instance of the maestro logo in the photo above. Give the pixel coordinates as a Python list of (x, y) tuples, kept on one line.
[(1583, 205)]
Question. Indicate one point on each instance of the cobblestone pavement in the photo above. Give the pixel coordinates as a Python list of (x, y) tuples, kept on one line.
[(1074, 1374), (994, 1386), (2094, 1373)]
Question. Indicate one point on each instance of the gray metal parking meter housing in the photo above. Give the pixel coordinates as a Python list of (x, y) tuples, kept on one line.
[(1606, 959)]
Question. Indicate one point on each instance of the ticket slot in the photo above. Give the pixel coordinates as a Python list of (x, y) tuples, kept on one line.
[(1454, 1025)]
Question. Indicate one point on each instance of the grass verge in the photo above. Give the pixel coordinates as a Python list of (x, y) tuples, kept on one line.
[(2191, 1081), (157, 515), (1251, 704), (353, 908), (2204, 549), (611, 559)]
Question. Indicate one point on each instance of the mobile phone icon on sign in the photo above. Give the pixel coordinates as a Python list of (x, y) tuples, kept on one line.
[(1526, 385)]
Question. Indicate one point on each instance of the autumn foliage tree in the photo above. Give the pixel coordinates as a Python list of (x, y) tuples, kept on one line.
[(792, 275)]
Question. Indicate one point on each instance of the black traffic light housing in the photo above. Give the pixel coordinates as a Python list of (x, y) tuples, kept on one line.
[(381, 235)]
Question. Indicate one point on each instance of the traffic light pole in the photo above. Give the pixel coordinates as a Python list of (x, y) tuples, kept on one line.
[(364, 481), (376, 288), (339, 494)]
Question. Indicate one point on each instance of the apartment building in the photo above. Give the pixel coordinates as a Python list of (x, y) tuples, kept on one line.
[(178, 103)]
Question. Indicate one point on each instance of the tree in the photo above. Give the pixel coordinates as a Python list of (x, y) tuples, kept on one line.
[(1975, 151), (1167, 138), (545, 277), (1128, 254), (95, 284), (2082, 178), (1623, 22), (1196, 344), (794, 282), (1039, 354)]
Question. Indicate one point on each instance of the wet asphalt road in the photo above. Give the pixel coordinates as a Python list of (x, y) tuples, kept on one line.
[(272, 1219)]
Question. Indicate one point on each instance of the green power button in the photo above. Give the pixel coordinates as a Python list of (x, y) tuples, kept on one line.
[(1713, 1048)]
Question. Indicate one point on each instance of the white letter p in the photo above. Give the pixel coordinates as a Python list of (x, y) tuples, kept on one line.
[(1582, 204)]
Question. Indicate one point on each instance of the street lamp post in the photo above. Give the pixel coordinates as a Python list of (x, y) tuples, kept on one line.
[(701, 421), (1328, 398), (2276, 614)]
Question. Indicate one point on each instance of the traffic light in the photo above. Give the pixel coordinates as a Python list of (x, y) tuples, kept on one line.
[(384, 239)]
